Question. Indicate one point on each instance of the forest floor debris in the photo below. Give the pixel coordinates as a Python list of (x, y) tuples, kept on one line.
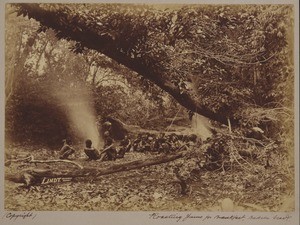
[(153, 188)]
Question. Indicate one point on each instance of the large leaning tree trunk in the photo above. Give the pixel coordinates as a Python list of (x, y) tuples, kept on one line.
[(199, 55), (138, 41)]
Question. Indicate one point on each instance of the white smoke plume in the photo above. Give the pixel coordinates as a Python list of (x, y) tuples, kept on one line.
[(79, 107), (83, 119)]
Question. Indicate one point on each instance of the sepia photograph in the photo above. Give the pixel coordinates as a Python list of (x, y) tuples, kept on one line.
[(139, 107)]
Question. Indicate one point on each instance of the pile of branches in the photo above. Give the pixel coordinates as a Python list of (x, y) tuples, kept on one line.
[(225, 151), (228, 151)]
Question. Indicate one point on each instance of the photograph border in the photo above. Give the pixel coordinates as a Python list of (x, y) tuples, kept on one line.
[(144, 217)]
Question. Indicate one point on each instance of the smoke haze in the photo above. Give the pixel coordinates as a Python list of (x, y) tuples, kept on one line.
[(83, 119), (78, 105), (200, 126)]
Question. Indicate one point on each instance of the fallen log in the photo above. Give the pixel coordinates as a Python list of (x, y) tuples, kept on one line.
[(34, 176), (39, 177), (138, 164)]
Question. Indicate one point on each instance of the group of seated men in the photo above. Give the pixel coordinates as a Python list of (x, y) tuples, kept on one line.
[(146, 142), (109, 152)]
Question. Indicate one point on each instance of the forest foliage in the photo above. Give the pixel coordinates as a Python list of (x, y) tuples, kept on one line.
[(224, 62), (235, 62)]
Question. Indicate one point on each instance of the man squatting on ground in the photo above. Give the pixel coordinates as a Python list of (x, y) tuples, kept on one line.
[(66, 149)]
